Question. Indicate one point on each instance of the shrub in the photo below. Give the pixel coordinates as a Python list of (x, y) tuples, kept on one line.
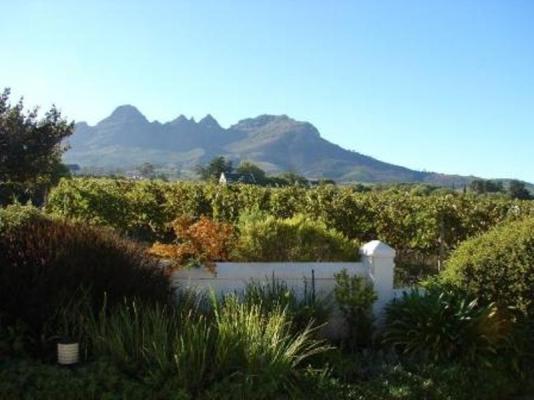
[(433, 382), (95, 380), (444, 325), (355, 296), (16, 215), (45, 263), (266, 238), (497, 266), (198, 242), (255, 352)]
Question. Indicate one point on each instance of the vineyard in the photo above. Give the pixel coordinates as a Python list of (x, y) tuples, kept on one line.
[(423, 229)]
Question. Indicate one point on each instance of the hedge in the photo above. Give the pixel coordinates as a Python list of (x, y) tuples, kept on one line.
[(422, 228)]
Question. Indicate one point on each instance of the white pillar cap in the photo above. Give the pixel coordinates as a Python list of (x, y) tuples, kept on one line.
[(377, 249)]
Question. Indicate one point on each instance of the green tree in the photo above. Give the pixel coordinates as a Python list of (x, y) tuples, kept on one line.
[(215, 168), (247, 167), (294, 179), (517, 190), (30, 150), (481, 186), (147, 170)]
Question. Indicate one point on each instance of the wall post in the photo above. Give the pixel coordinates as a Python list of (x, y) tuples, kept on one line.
[(379, 260)]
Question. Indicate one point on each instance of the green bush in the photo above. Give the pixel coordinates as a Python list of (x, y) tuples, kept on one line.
[(47, 263), (16, 215), (266, 238), (434, 382), (444, 325), (497, 266), (92, 381), (355, 296)]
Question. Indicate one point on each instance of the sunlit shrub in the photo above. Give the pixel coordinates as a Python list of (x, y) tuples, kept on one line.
[(266, 238), (497, 266), (16, 215)]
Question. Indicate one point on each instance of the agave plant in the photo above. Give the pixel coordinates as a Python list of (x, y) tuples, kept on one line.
[(444, 325)]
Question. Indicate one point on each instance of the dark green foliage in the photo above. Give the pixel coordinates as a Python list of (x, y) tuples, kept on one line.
[(481, 186), (497, 266), (266, 238), (355, 296), (518, 190), (442, 326), (451, 381), (91, 381), (247, 167), (293, 179), (30, 150), (214, 169), (45, 263), (147, 170)]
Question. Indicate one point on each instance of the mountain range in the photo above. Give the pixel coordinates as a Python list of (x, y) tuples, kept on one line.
[(276, 143)]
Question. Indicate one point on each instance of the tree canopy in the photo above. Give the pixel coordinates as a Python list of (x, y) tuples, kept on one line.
[(247, 167), (30, 149), (518, 190), (215, 168)]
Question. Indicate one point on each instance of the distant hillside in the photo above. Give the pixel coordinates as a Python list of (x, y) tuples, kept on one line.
[(127, 139)]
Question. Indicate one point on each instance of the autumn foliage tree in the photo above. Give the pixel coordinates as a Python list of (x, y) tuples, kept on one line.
[(202, 241)]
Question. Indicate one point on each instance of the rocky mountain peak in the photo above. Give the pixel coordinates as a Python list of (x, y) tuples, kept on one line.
[(127, 111)]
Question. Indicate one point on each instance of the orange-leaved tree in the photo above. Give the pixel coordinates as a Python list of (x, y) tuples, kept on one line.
[(202, 241)]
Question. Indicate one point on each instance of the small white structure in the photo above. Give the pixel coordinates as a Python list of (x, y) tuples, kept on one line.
[(227, 178), (377, 264)]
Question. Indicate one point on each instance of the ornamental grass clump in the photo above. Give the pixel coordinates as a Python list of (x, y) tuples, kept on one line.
[(264, 347), (274, 294), (235, 343)]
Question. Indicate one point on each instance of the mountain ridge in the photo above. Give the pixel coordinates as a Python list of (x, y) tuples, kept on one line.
[(277, 143)]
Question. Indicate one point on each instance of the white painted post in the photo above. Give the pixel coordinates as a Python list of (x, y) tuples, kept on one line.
[(379, 258)]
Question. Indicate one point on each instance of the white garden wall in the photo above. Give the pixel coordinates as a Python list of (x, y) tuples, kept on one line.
[(377, 264)]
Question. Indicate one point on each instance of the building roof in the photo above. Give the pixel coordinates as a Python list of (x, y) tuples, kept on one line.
[(237, 178)]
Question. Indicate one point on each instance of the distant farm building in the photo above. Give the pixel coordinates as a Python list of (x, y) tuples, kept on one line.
[(227, 178)]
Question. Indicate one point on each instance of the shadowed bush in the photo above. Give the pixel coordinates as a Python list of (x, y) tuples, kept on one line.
[(440, 326), (43, 263)]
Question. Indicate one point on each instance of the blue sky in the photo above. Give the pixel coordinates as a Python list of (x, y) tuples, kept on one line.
[(444, 86)]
